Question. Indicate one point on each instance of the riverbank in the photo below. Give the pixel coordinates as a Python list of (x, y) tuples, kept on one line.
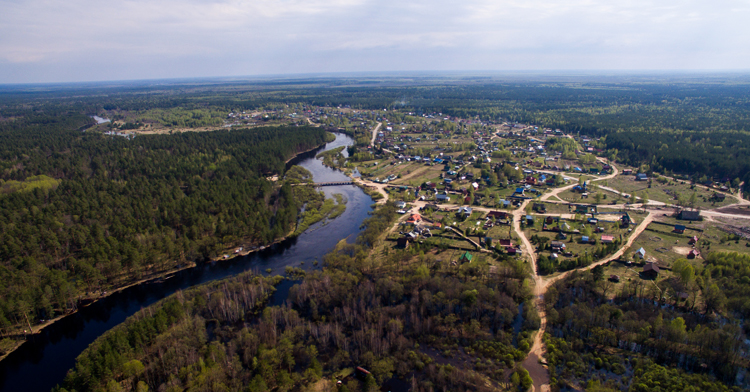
[(16, 338), (38, 328), (327, 140)]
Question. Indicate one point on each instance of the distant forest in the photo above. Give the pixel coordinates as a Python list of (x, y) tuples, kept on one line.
[(694, 128)]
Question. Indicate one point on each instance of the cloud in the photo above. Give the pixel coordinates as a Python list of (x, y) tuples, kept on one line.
[(42, 40)]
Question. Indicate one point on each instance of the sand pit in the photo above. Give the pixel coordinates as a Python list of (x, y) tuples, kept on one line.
[(682, 250)]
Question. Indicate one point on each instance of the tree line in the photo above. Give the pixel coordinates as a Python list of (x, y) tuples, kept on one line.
[(122, 209)]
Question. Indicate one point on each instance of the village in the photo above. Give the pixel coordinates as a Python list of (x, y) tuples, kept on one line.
[(474, 192), (491, 191), (476, 195)]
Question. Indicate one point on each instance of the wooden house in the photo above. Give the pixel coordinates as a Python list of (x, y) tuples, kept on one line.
[(650, 270)]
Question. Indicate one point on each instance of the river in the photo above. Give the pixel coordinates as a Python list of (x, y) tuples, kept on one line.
[(42, 362)]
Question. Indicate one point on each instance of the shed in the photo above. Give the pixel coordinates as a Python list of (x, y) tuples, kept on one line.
[(679, 229), (607, 239), (651, 270), (465, 257), (641, 253)]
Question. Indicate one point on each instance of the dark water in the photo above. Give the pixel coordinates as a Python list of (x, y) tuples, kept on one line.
[(42, 362)]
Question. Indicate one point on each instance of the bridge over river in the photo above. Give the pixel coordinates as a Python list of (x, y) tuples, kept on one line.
[(335, 183)]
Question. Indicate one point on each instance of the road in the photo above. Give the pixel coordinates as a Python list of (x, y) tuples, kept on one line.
[(537, 371), (375, 134)]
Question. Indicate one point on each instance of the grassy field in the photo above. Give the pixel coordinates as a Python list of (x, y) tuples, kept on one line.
[(661, 245), (665, 192)]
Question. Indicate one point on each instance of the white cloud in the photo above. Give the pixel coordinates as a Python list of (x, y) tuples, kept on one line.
[(42, 40)]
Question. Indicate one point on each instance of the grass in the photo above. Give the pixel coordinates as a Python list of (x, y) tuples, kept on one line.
[(329, 210), (31, 183), (658, 191), (661, 244)]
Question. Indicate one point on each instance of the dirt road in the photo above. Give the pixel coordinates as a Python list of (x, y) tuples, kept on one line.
[(538, 372), (375, 134)]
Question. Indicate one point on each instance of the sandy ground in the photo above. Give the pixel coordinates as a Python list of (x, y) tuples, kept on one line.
[(681, 250)]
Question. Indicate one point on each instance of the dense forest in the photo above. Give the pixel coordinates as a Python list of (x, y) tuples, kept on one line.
[(82, 212), (641, 341), (390, 315)]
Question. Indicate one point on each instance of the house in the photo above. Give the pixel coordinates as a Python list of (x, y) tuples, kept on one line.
[(585, 209), (400, 204), (689, 215), (607, 239), (530, 180), (718, 197), (562, 236), (414, 218), (497, 215), (463, 210), (650, 270), (465, 257), (693, 254), (514, 251), (585, 239), (626, 220), (441, 197), (641, 177), (640, 253), (520, 191), (504, 203), (627, 171), (505, 243), (529, 220), (693, 240), (540, 207), (557, 246), (361, 373), (403, 242), (679, 229)]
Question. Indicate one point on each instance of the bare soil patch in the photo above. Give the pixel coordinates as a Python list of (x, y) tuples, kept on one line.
[(735, 210), (682, 250)]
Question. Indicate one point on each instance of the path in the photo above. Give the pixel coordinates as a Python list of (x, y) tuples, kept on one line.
[(375, 134), (535, 359), (538, 372)]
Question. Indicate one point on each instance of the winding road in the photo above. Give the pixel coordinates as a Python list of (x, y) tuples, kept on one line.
[(535, 359)]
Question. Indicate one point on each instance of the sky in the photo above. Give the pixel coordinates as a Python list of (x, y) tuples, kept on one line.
[(44, 41)]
